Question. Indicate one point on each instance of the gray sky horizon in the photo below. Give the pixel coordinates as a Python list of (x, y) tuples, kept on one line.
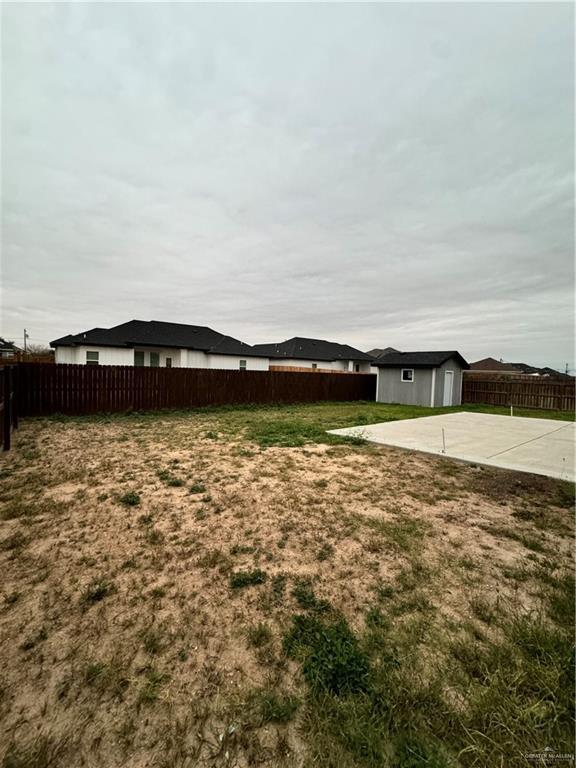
[(374, 174)]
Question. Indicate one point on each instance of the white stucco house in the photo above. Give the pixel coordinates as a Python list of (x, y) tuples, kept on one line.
[(298, 353), (175, 345), (158, 344)]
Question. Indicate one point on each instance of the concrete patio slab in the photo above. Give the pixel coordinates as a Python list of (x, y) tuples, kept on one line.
[(540, 446)]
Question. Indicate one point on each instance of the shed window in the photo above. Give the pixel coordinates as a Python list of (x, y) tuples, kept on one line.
[(139, 358), (242, 365), (314, 365), (92, 358), (408, 374), (154, 359), (168, 362)]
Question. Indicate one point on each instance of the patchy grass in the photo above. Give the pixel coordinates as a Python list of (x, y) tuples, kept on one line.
[(276, 707), (97, 590), (259, 635), (130, 499), (295, 600), (241, 579), (388, 705)]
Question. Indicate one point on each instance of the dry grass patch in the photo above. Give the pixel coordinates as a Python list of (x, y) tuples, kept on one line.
[(219, 589)]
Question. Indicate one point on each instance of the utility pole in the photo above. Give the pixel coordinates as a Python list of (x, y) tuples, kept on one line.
[(566, 368), (26, 336)]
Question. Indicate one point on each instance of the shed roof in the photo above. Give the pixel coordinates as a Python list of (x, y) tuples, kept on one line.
[(419, 359)]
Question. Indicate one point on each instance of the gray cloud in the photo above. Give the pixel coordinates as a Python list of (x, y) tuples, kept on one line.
[(378, 174)]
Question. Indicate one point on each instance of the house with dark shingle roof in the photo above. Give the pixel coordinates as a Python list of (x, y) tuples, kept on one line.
[(8, 348), (491, 365), (299, 352), (158, 344), (431, 379)]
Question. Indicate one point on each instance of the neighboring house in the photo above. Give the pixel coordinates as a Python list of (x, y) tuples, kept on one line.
[(157, 344), (490, 365), (432, 379), (381, 352), (298, 353), (8, 348), (531, 370)]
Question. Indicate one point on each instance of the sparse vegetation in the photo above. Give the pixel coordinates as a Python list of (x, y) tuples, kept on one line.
[(97, 590), (241, 579), (325, 603), (169, 479), (276, 707), (130, 499), (259, 635)]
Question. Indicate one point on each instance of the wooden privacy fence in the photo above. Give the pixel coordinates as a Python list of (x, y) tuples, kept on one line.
[(535, 393), (8, 405), (79, 389), (28, 357)]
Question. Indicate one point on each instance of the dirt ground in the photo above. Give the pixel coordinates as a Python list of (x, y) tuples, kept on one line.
[(124, 636)]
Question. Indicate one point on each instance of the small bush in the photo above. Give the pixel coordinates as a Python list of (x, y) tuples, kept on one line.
[(197, 488), (130, 499), (241, 579)]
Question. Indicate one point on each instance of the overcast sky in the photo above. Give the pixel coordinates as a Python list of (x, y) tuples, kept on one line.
[(375, 174)]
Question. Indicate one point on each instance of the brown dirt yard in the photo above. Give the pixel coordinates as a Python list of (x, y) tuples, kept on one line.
[(236, 588)]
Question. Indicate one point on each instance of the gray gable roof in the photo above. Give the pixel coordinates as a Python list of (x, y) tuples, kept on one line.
[(419, 359), (381, 352), (300, 348), (154, 333)]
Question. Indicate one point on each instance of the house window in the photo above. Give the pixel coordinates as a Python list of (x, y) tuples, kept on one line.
[(242, 365), (92, 358), (357, 367), (168, 362), (314, 365), (154, 359), (407, 374), (138, 358)]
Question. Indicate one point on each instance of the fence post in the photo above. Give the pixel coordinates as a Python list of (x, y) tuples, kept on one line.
[(7, 409), (15, 395)]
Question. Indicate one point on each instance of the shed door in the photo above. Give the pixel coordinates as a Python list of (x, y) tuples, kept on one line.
[(448, 387)]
